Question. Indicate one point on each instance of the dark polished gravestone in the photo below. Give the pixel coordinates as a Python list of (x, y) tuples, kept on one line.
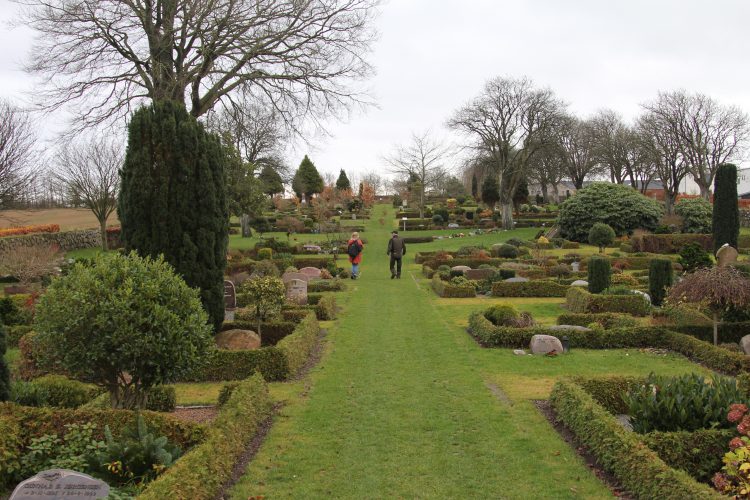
[(230, 300), (60, 483)]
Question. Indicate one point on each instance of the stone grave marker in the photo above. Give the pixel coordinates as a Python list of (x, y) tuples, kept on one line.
[(312, 248), (542, 344), (580, 283), (461, 268), (745, 344), (311, 272), (575, 266), (296, 292), (60, 483), (237, 340), (287, 277), (726, 255), (230, 300), (517, 279)]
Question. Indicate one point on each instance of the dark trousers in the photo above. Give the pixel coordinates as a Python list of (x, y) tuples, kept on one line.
[(396, 265)]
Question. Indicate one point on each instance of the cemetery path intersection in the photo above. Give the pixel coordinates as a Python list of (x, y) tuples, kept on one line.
[(400, 406)]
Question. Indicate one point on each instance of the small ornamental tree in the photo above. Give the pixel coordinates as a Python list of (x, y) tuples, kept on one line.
[(126, 323), (266, 294), (600, 271), (601, 235), (660, 278), (726, 215), (490, 192), (4, 372), (716, 288), (342, 183)]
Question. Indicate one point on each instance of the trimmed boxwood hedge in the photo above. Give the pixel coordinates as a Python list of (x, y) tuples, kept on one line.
[(271, 333), (621, 452), (670, 243), (606, 320), (698, 453), (335, 285), (203, 471), (418, 239), (728, 332), (447, 290), (20, 424), (536, 288), (297, 347), (581, 301)]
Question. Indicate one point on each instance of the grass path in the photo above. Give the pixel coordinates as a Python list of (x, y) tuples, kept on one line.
[(398, 408)]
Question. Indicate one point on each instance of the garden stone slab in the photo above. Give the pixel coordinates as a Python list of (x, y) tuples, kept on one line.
[(312, 272), (517, 279), (580, 283), (238, 340), (645, 296), (576, 328), (543, 344)]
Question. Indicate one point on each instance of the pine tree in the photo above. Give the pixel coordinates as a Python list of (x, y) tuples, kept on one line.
[(4, 372), (474, 186), (726, 216), (490, 191), (342, 183), (271, 180), (307, 180), (173, 199)]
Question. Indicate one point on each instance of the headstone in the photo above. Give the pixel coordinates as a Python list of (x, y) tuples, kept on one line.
[(575, 266), (453, 225), (745, 344), (230, 297), (287, 277), (543, 344), (296, 292), (238, 340), (311, 248), (645, 296), (240, 278), (519, 352), (461, 268), (479, 274), (726, 255), (576, 328), (60, 483), (310, 272), (580, 283), (517, 279)]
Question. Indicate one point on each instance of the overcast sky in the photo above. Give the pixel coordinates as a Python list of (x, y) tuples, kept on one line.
[(434, 55)]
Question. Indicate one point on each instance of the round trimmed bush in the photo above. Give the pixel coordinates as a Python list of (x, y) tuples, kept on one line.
[(505, 251), (601, 235), (501, 315), (620, 206)]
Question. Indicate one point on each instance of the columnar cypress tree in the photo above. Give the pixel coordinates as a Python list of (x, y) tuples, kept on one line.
[(474, 186), (173, 199), (726, 216), (342, 183), (600, 271), (660, 278), (4, 372)]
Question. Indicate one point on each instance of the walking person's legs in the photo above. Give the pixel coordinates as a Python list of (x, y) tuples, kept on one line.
[(393, 266), (355, 270), (398, 268)]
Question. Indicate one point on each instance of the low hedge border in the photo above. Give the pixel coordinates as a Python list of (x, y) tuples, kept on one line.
[(579, 300), (271, 333), (334, 285), (728, 332), (203, 471), (20, 424), (446, 290), (537, 288), (620, 452), (606, 320), (699, 453), (297, 347)]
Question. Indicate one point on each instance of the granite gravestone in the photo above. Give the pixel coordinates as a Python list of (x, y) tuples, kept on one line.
[(230, 300), (60, 483), (726, 255), (296, 292), (310, 272), (543, 344)]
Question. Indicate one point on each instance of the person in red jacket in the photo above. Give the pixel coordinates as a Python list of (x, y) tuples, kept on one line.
[(354, 248)]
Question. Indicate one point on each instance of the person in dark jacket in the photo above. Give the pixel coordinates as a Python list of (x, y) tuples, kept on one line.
[(396, 249)]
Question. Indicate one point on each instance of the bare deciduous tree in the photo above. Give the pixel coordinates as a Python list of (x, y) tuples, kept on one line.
[(90, 170), (510, 122), (17, 141), (421, 159), (547, 169), (577, 146), (708, 133), (105, 57)]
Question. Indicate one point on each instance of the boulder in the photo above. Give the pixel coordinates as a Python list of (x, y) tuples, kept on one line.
[(517, 279), (311, 248), (745, 344), (310, 272), (238, 340), (543, 344), (580, 283)]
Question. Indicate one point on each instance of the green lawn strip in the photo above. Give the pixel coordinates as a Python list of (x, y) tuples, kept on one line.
[(198, 393), (452, 244), (400, 408)]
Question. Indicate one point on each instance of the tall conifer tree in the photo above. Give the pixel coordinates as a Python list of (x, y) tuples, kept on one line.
[(173, 198), (342, 183), (726, 216)]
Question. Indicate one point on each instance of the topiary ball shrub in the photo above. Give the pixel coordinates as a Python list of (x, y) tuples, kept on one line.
[(696, 215), (505, 251), (620, 206), (601, 235), (265, 254), (660, 278), (693, 257), (125, 323), (437, 219), (501, 315), (599, 274), (515, 242)]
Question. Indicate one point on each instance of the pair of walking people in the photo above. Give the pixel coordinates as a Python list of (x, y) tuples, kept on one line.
[(396, 250)]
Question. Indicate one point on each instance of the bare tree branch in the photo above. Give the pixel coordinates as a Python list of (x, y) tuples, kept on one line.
[(17, 141)]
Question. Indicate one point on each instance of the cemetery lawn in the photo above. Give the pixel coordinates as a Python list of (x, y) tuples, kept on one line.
[(405, 404)]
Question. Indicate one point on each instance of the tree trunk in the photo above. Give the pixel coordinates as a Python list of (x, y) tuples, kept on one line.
[(103, 228), (245, 226), (705, 191), (669, 202), (421, 202), (507, 208), (545, 192), (716, 328)]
